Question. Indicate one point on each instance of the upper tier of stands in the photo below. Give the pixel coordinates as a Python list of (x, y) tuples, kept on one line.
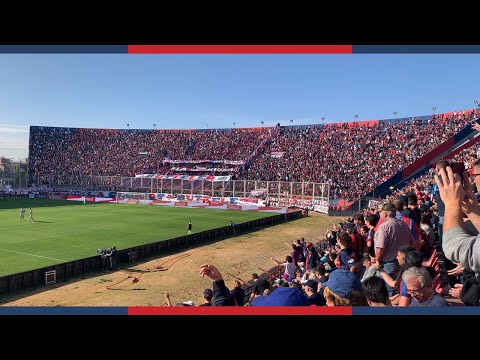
[(352, 157)]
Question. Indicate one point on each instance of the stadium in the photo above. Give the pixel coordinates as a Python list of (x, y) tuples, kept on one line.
[(128, 217)]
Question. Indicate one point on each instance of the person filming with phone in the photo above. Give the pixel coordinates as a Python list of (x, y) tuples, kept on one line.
[(458, 245)]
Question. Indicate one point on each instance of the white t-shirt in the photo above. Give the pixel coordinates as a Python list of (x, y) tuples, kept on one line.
[(290, 269)]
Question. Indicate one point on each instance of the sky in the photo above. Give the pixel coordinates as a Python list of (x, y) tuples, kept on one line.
[(224, 91)]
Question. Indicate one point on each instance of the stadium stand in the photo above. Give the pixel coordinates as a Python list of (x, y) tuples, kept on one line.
[(352, 157)]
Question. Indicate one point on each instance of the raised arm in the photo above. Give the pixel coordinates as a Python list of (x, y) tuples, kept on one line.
[(458, 245)]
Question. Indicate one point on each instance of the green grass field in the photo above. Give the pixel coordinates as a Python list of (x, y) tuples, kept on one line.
[(68, 230)]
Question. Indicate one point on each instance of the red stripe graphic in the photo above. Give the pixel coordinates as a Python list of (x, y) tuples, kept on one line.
[(248, 310), (239, 49)]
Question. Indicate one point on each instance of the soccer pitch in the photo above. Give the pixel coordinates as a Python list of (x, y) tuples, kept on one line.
[(67, 230)]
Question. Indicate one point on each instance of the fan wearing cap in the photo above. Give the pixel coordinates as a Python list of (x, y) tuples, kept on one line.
[(390, 236), (339, 285), (311, 288), (284, 296), (399, 206)]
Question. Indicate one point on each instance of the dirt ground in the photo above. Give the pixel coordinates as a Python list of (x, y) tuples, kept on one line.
[(239, 256)]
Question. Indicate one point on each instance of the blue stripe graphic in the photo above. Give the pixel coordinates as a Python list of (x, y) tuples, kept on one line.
[(63, 49), (63, 310)]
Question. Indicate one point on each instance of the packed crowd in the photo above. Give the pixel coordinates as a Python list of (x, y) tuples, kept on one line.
[(353, 158), (426, 182), (415, 249), (364, 261), (354, 153), (419, 248), (65, 156)]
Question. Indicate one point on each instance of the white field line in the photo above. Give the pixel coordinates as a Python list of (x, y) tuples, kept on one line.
[(18, 252)]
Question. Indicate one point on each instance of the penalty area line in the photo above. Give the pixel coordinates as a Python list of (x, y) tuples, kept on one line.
[(22, 253)]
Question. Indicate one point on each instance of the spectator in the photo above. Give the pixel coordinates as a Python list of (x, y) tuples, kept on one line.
[(297, 254), (346, 254), (314, 298), (458, 245), (289, 267), (413, 212), (221, 294), (414, 229), (113, 258), (419, 286), (390, 236), (238, 293), (207, 295), (232, 227), (369, 263), (407, 257), (371, 221), (84, 154), (259, 286), (284, 296), (376, 292), (312, 256), (338, 286), (442, 164), (320, 273), (429, 236)]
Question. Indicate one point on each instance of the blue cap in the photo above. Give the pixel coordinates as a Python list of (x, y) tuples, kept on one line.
[(284, 296), (341, 282)]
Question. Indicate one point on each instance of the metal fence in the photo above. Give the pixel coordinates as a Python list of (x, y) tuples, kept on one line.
[(233, 188)]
